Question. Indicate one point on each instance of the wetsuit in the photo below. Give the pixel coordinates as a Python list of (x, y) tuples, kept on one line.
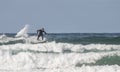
[(40, 33)]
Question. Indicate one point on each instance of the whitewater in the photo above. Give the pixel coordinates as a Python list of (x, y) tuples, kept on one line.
[(61, 53)]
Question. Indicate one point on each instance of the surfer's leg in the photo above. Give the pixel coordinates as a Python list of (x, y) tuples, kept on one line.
[(42, 37), (38, 37)]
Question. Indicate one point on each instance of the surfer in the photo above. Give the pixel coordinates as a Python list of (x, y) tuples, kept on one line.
[(40, 33)]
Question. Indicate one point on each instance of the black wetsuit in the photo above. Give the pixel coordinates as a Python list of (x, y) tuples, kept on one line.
[(40, 33)]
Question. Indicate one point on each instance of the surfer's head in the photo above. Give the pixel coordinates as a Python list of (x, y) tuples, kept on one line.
[(43, 29)]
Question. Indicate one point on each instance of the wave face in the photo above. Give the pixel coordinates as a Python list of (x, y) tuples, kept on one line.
[(61, 53)]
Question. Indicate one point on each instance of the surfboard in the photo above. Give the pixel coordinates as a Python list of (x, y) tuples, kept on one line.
[(39, 41)]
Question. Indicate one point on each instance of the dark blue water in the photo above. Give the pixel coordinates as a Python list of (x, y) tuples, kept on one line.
[(86, 38)]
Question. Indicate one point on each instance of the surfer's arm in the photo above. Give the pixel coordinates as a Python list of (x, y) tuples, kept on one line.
[(45, 32)]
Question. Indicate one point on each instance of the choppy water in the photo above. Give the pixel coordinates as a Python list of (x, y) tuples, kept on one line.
[(65, 52)]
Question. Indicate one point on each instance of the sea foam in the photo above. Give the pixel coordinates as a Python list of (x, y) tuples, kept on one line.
[(51, 55)]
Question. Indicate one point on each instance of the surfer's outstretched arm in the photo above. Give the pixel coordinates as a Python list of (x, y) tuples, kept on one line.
[(45, 32)]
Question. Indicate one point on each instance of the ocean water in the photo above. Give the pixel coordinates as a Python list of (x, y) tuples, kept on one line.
[(63, 52)]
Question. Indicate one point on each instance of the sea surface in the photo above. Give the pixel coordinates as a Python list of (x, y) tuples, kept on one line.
[(62, 52)]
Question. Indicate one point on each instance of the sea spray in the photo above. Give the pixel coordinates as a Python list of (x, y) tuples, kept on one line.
[(23, 32)]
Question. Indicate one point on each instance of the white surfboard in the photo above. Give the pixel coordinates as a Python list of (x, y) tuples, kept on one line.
[(39, 41)]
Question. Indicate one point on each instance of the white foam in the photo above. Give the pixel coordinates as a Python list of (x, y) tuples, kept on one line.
[(3, 36), (8, 39), (49, 56)]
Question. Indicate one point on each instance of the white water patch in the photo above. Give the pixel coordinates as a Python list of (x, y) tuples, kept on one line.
[(60, 47), (46, 61), (23, 32), (50, 56), (113, 68), (3, 36), (8, 39)]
